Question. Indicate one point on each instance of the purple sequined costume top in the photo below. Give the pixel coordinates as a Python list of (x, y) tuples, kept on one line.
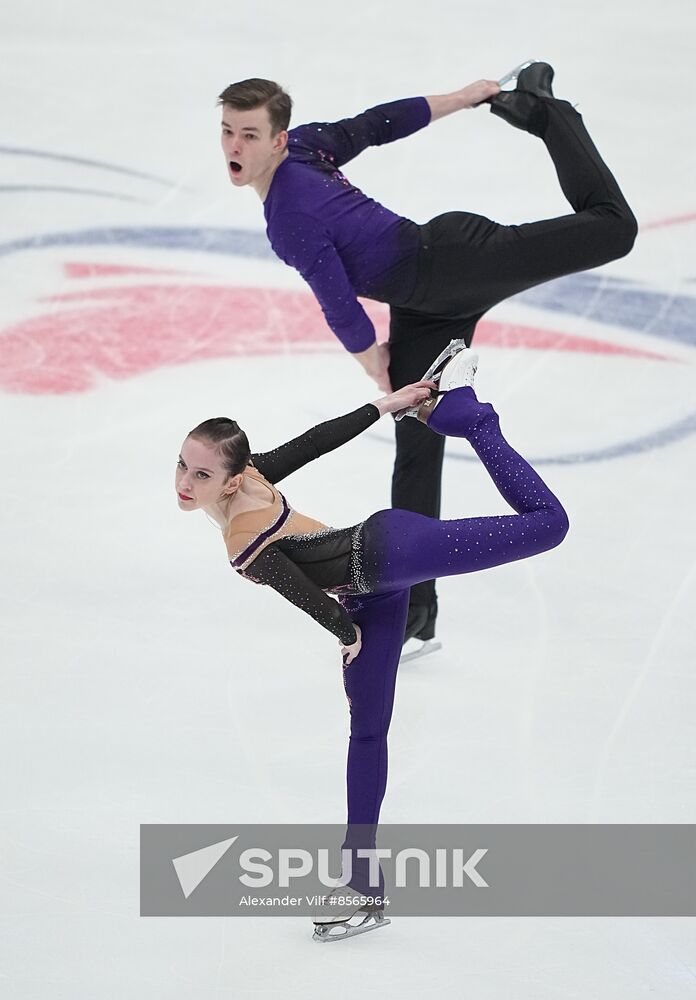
[(343, 243)]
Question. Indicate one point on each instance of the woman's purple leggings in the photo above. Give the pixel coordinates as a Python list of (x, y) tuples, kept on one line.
[(401, 548)]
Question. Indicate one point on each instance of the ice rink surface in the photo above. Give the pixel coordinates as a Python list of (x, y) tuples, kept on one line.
[(142, 680)]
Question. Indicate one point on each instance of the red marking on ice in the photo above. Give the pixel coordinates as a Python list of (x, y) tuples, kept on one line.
[(497, 334), (121, 332), (79, 270), (673, 220)]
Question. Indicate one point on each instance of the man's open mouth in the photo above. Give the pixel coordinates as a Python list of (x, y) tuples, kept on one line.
[(235, 167)]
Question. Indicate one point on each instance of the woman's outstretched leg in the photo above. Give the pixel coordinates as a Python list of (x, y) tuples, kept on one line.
[(401, 548)]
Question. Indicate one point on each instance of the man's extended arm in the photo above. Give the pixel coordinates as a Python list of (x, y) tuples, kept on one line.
[(341, 141), (468, 97), (344, 140)]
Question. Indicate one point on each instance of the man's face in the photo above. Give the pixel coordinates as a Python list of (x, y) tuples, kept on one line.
[(250, 149)]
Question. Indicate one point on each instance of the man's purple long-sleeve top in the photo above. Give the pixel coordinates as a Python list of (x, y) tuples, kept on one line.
[(343, 243)]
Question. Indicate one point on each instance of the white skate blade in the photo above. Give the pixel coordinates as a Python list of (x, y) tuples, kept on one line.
[(511, 77), (426, 647), (434, 373), (343, 930)]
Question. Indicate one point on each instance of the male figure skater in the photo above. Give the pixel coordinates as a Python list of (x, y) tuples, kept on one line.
[(438, 278)]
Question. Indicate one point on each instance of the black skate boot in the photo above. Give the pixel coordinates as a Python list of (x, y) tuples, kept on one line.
[(536, 79), (419, 637), (524, 107), (416, 621)]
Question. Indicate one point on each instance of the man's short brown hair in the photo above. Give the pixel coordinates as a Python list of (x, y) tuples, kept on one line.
[(247, 95)]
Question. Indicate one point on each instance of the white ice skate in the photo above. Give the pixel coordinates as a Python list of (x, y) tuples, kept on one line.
[(454, 368), (416, 649), (343, 905)]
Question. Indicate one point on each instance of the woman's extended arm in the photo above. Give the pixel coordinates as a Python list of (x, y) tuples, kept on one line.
[(282, 461)]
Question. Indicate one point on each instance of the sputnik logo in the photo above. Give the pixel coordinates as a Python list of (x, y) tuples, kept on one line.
[(192, 868)]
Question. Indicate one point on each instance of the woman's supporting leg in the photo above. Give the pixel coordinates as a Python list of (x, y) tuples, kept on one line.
[(400, 548), (370, 681)]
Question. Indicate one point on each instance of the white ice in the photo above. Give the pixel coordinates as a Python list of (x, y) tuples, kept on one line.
[(144, 682)]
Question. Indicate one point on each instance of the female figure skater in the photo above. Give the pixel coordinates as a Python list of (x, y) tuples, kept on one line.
[(370, 566)]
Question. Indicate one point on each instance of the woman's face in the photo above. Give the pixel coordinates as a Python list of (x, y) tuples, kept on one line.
[(200, 479)]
